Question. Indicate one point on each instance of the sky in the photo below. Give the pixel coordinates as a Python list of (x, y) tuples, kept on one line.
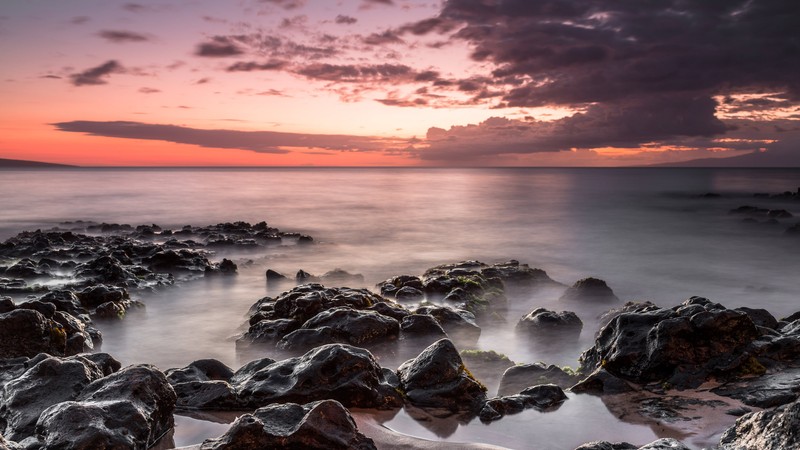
[(400, 82)]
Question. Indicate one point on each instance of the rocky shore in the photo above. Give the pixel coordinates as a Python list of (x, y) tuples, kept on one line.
[(326, 344)]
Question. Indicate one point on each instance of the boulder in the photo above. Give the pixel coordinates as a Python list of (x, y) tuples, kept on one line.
[(200, 370), (390, 287), (131, 408), (437, 378), (776, 429), (519, 377), (604, 445), (683, 346), (25, 332), (357, 327), (324, 424), (602, 382), (519, 276), (543, 323), (273, 276), (760, 317), (48, 381), (458, 324), (665, 444), (541, 397), (589, 290), (421, 326), (336, 371)]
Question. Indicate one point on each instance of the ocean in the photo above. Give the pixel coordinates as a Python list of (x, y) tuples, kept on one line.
[(650, 233)]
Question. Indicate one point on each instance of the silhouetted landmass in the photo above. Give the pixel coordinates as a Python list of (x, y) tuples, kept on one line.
[(782, 159), (22, 164)]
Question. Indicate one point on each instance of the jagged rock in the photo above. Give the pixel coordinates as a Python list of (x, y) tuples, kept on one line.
[(516, 275), (336, 371), (458, 324), (602, 382), (357, 327), (604, 445), (128, 409), (519, 377), (200, 370), (776, 429), (273, 276), (65, 301), (268, 331), (543, 323), (391, 286), (324, 424), (94, 296), (25, 332), (589, 290), (760, 317), (224, 267), (437, 379), (408, 293), (541, 397), (665, 444), (420, 326), (48, 381), (768, 391), (682, 346)]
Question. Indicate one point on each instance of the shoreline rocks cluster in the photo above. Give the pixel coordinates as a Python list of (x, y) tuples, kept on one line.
[(54, 394)]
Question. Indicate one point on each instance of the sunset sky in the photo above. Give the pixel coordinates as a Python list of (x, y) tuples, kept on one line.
[(400, 82)]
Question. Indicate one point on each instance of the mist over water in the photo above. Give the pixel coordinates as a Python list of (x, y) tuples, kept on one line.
[(647, 232)]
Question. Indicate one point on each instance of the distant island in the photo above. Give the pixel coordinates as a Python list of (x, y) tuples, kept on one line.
[(23, 164)]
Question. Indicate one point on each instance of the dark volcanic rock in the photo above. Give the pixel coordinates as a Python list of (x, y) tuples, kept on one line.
[(541, 397), (519, 276), (391, 286), (778, 429), (602, 382), (437, 379), (683, 345), (200, 370), (604, 445), (268, 331), (768, 391), (422, 325), (486, 365), (324, 424), (550, 324), (589, 290), (358, 327), (25, 332), (760, 317), (65, 301), (129, 409), (339, 372), (48, 381), (518, 377), (273, 276), (458, 324)]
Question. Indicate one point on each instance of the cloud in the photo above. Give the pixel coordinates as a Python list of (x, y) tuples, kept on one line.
[(147, 90), (345, 20), (218, 47), (80, 20), (96, 75), (351, 73), (286, 4), (134, 7), (117, 36), (384, 38), (256, 141), (600, 125), (368, 3), (250, 66)]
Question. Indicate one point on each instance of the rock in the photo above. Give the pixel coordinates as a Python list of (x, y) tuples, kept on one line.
[(46, 309), (324, 424), (541, 397), (683, 346), (603, 445), (767, 391), (388, 309), (392, 285), (224, 267), (273, 276), (519, 276), (437, 379), (200, 370), (341, 277), (517, 378), (211, 394), (304, 339), (760, 317), (628, 307), (304, 302), (589, 290), (48, 381), (65, 301), (776, 429), (336, 371), (25, 332), (110, 311), (6, 305), (543, 323), (602, 382), (129, 409), (303, 277), (8, 445), (268, 331), (665, 444), (358, 327), (421, 326), (458, 324), (408, 293), (486, 365), (94, 296)]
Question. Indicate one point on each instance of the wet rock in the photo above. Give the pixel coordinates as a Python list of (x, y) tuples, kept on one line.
[(129, 409), (458, 324), (48, 381), (768, 391), (305, 339), (760, 317), (464, 283), (25, 332), (628, 307), (437, 379), (589, 290), (65, 301), (336, 371), (341, 277), (273, 276), (180, 260), (94, 296), (421, 325), (8, 445), (268, 331), (517, 378), (519, 276), (541, 397), (79, 336), (110, 310), (388, 309), (390, 287), (543, 323), (777, 429), (601, 382), (6, 305), (486, 365), (303, 277), (683, 346), (224, 267), (604, 445), (200, 370), (408, 293), (46, 309), (323, 424), (359, 327), (665, 444)]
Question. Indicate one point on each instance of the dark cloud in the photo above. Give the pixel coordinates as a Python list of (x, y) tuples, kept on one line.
[(96, 75), (386, 37), (53, 77), (256, 141), (80, 20), (350, 73), (279, 47), (134, 7), (250, 66), (148, 90), (345, 20), (118, 36), (218, 47), (378, 2), (286, 4), (600, 125)]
